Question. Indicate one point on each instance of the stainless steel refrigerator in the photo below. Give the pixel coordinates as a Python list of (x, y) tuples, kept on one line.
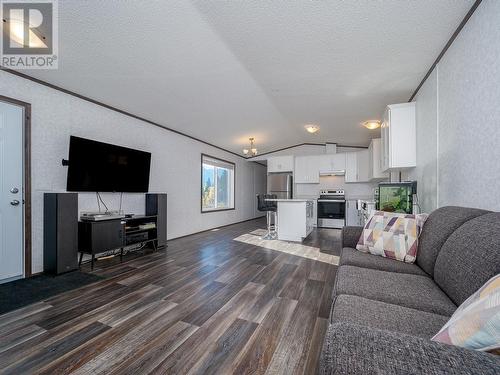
[(280, 184)]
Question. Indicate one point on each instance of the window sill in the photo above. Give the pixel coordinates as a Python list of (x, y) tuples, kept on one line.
[(217, 210)]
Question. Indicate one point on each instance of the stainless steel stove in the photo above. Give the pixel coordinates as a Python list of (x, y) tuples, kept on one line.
[(331, 209)]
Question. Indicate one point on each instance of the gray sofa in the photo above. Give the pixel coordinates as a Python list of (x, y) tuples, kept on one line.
[(384, 312)]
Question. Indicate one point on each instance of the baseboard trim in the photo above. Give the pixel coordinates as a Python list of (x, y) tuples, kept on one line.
[(219, 227)]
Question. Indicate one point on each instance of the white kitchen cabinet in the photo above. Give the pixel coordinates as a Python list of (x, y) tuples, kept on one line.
[(307, 169), (300, 175), (363, 166), (315, 213), (338, 161), (375, 162), (295, 219), (351, 167), (399, 137), (331, 163), (280, 164), (357, 166)]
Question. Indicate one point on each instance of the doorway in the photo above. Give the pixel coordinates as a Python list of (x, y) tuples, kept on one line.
[(15, 189)]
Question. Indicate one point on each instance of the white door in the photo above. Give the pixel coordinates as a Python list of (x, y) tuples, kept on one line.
[(11, 191)]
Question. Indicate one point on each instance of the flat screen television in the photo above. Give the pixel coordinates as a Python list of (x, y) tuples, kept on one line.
[(103, 167)]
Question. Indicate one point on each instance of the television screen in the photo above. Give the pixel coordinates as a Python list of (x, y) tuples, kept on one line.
[(97, 166)]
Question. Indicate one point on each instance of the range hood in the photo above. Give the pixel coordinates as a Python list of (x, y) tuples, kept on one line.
[(336, 172)]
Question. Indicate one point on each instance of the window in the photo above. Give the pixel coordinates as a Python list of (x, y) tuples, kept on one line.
[(217, 184)]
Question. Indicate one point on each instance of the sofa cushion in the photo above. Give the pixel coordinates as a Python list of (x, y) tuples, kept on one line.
[(350, 236), (440, 224), (413, 291), (350, 349), (354, 257), (381, 315), (469, 258)]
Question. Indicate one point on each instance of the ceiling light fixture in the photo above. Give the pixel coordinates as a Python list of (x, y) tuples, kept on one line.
[(252, 150), (311, 128), (371, 124)]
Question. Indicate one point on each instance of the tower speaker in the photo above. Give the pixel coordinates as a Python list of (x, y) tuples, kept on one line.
[(156, 204), (60, 232)]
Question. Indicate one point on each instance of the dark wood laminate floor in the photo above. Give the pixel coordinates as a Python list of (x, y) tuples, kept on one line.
[(208, 305)]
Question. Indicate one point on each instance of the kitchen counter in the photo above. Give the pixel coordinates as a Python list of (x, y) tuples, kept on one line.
[(359, 197), (295, 218), (289, 200)]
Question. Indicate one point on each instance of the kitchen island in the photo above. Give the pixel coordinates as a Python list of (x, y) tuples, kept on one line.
[(295, 218)]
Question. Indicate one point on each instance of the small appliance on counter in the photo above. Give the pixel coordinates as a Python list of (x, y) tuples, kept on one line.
[(331, 209), (397, 196), (366, 209)]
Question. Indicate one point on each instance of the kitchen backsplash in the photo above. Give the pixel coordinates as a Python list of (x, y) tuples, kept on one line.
[(352, 190)]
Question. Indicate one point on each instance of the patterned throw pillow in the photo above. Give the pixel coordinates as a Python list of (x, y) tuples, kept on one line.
[(392, 235), (476, 323)]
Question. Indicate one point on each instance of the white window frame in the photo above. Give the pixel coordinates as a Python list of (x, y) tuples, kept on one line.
[(221, 163)]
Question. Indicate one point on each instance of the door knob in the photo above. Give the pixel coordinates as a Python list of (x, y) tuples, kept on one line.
[(15, 202), (14, 190)]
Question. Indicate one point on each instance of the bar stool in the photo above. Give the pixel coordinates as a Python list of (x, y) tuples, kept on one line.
[(270, 209)]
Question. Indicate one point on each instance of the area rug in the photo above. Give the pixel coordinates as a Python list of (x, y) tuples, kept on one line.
[(20, 293), (292, 248)]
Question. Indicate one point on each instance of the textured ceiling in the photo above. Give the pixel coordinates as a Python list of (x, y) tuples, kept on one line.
[(223, 71)]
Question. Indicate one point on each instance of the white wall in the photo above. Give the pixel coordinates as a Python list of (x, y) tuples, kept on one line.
[(175, 167), (464, 95)]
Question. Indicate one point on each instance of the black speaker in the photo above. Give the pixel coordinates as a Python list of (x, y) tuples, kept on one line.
[(60, 232), (156, 204)]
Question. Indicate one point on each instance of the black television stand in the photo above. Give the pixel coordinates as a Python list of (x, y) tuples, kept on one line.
[(95, 237)]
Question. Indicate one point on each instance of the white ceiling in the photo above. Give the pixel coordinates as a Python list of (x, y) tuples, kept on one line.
[(223, 71)]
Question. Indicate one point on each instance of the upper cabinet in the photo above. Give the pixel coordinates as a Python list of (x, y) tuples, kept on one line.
[(375, 160), (363, 161), (351, 168), (307, 169), (331, 163), (399, 137), (357, 168), (280, 164)]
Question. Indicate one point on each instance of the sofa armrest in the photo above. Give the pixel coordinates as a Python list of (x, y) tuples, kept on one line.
[(350, 236), (354, 349)]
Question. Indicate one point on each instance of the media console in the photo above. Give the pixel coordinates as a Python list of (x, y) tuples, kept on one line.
[(95, 237)]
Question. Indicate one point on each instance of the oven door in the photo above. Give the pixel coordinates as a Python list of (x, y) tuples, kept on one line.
[(330, 209), (331, 213)]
